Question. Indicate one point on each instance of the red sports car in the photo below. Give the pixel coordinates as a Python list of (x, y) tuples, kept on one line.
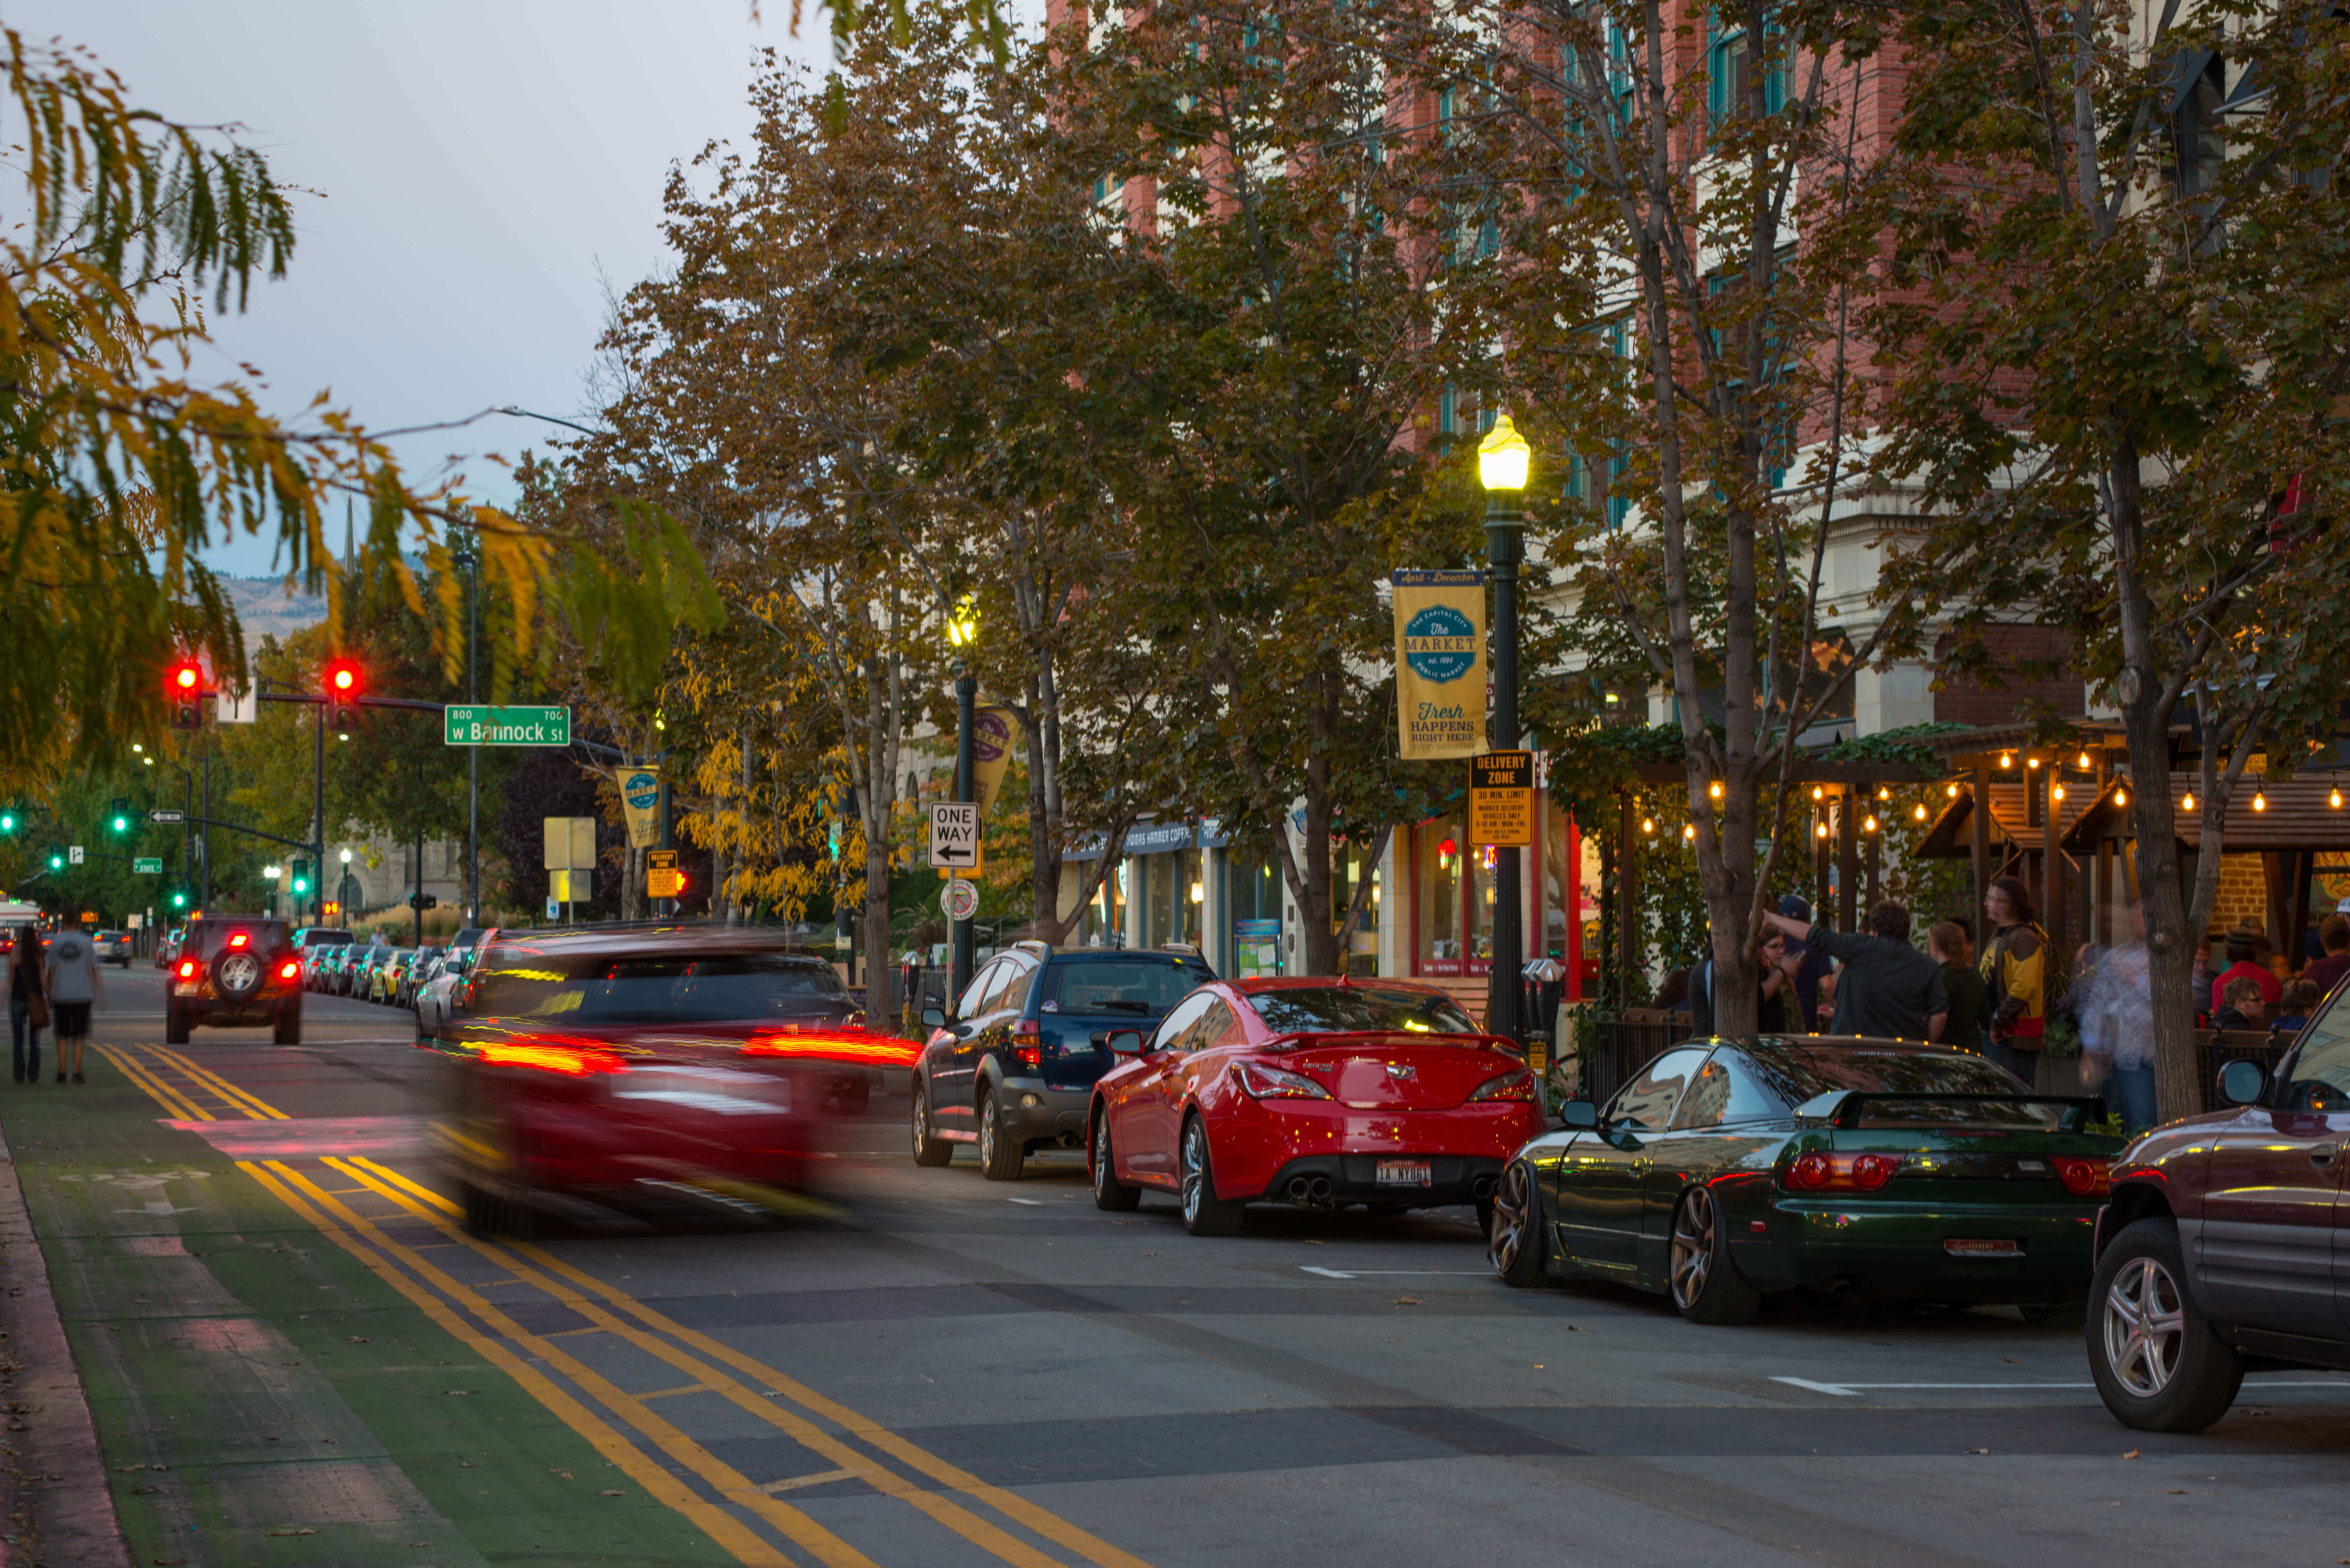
[(1311, 1091)]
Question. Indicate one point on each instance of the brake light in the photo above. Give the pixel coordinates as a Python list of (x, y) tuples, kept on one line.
[(238, 939), (187, 968), (1821, 1172), (1031, 1055), (289, 970), (2083, 1178), (1517, 1085), (1262, 1082), (564, 1059)]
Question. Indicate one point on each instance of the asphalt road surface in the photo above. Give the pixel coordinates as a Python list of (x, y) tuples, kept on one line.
[(292, 1354)]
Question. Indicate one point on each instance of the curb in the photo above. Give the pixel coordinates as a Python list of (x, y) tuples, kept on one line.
[(56, 1507)]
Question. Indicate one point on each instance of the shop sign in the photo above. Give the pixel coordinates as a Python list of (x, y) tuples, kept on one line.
[(1439, 628)]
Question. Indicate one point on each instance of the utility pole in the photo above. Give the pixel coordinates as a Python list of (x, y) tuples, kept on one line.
[(470, 563), (318, 822), (1502, 461)]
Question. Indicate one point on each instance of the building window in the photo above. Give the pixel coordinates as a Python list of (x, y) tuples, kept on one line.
[(1730, 63)]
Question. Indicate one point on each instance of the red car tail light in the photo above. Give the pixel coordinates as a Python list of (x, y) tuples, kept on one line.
[(1517, 1085), (188, 969), (565, 1059), (1262, 1081), (1029, 1055), (1830, 1172), (2083, 1178), (289, 970)]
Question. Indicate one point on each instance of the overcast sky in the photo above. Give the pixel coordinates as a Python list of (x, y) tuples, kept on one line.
[(476, 162)]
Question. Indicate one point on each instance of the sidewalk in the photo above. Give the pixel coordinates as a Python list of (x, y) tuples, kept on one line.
[(258, 1396)]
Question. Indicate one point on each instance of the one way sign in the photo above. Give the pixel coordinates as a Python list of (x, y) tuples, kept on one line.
[(954, 835)]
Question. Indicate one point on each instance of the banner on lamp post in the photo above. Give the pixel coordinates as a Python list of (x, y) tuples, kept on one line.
[(992, 731), (641, 803), (1439, 624)]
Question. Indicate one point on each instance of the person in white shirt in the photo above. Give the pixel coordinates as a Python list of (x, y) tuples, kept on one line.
[(74, 987)]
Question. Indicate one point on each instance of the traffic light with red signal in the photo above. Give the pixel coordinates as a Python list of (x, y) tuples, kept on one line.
[(183, 688), (343, 689)]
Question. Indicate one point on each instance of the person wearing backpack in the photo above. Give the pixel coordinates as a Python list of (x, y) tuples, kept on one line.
[(28, 1005)]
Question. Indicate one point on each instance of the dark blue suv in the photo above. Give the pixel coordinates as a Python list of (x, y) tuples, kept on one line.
[(1013, 1069)]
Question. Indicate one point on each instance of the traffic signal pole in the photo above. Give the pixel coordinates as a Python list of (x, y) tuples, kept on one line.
[(319, 824)]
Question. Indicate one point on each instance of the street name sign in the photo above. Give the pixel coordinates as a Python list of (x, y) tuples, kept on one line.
[(959, 900), (478, 724), (143, 866), (955, 836), (1501, 798), (167, 816)]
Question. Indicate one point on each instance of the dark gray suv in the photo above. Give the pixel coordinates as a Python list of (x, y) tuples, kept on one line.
[(1013, 1070)]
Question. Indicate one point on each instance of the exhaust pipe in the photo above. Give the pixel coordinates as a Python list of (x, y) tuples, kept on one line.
[(1320, 1188), (1483, 1186), (1300, 1189)]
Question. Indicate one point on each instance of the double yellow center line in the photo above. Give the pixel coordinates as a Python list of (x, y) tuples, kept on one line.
[(761, 1390)]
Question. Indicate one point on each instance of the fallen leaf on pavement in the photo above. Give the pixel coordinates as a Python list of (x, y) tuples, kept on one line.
[(1978, 1450), (289, 1533), (609, 1492), (2133, 1454), (2009, 1360), (355, 1339), (1407, 1301)]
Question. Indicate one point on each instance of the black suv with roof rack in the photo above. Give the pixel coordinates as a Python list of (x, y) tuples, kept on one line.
[(1013, 1069)]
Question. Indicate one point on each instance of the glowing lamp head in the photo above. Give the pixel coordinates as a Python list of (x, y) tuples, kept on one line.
[(2259, 801), (2332, 799), (1919, 812), (1503, 457), (1868, 825), (962, 623)]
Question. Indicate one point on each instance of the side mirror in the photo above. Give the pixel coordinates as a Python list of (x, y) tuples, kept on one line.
[(2240, 1083), (1578, 1116), (1124, 1042), (934, 1018)]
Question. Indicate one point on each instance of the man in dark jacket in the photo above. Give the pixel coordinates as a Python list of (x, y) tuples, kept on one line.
[(1809, 966), (1885, 987)]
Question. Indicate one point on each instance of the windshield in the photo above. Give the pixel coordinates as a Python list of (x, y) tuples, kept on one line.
[(1794, 1073), (706, 988), (1351, 1009), (1136, 987)]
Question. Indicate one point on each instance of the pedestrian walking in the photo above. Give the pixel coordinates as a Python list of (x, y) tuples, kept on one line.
[(2015, 974), (28, 1005), (1970, 1000), (2117, 1027), (1884, 987), (74, 989), (2333, 936)]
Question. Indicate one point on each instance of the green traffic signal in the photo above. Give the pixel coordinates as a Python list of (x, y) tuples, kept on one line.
[(57, 862), (179, 900), (121, 824), (7, 822), (301, 884)]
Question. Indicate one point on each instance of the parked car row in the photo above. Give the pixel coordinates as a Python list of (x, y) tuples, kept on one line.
[(336, 964)]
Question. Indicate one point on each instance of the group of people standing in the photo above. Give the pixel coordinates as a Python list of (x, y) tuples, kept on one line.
[(53, 989)]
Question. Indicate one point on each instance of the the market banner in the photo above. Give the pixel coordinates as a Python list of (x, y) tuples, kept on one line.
[(1439, 621), (992, 731), (640, 800)]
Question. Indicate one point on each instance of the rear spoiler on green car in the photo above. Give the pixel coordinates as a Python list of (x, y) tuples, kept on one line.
[(1841, 1107)]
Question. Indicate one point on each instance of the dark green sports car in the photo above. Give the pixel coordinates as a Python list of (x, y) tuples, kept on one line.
[(1886, 1168)]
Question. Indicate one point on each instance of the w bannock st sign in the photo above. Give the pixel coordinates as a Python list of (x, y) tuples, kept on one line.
[(477, 725)]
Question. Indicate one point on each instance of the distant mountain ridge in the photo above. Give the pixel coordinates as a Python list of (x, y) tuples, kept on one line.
[(264, 608)]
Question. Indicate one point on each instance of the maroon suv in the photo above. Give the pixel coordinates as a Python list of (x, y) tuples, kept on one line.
[(234, 969), (2224, 1245)]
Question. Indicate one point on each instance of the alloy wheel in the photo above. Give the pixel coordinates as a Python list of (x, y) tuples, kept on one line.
[(1512, 1203), (2145, 1327), (1101, 1155), (921, 1118), (1193, 1138), (987, 1131), (1692, 1252)]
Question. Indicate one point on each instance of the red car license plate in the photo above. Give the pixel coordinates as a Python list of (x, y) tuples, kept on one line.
[(1405, 1173)]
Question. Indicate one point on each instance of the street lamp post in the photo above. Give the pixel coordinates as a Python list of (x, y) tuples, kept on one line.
[(1501, 461), (962, 630), (468, 561), (271, 871)]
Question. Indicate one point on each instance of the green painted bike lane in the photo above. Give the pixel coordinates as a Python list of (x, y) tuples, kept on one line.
[(261, 1397)]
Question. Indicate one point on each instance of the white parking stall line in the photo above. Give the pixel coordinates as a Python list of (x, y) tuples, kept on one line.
[(1031, 1202), (1854, 1390), (1358, 1273)]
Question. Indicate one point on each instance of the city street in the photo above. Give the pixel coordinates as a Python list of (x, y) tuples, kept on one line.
[(293, 1355)]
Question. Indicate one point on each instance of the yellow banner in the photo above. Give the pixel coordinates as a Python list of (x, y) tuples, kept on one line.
[(1439, 621), (992, 731)]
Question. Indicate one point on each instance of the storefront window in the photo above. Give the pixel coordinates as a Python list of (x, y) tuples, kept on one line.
[(1437, 879), (1481, 903), (1558, 908)]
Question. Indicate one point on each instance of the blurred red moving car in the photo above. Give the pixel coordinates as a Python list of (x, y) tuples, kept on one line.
[(1311, 1091), (668, 1072)]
